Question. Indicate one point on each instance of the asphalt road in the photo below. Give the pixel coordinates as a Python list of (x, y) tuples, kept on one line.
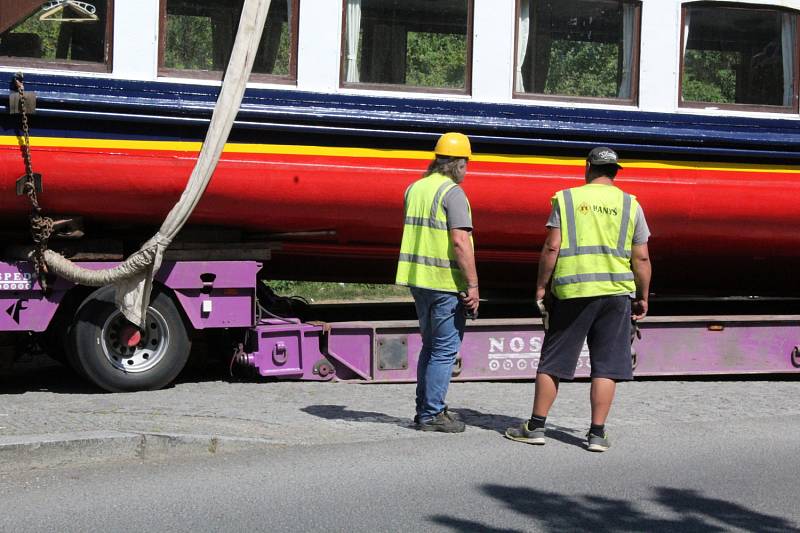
[(686, 455), (703, 476)]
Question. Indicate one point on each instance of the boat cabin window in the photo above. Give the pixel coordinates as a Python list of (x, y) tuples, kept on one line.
[(576, 49), (196, 39), (739, 57), (407, 44), (66, 34)]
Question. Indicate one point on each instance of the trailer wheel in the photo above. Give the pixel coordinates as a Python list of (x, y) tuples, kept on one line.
[(115, 356)]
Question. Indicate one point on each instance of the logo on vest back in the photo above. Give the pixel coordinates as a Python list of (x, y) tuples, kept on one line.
[(585, 208)]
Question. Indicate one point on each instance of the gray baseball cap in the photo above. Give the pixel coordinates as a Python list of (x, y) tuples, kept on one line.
[(603, 155)]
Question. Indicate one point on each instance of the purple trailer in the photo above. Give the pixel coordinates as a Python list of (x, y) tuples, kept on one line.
[(83, 327)]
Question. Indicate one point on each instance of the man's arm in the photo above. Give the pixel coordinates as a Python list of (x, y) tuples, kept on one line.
[(642, 270), (465, 257), (547, 261)]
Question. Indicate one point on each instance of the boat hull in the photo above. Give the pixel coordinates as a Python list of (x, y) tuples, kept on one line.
[(325, 179), (714, 229)]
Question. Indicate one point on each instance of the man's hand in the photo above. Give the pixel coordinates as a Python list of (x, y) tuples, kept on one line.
[(543, 305), (471, 301), (638, 309), (540, 293)]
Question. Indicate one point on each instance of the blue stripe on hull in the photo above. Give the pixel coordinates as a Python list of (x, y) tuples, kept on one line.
[(128, 109)]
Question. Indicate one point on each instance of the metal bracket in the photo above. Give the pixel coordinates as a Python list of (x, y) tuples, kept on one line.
[(324, 369), (37, 183), (15, 104), (393, 352), (279, 355)]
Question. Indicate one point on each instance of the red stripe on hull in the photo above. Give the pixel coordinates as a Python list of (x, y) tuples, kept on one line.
[(716, 218)]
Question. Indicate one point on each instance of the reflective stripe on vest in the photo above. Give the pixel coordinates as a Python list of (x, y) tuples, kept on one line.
[(594, 260), (427, 258), (574, 249)]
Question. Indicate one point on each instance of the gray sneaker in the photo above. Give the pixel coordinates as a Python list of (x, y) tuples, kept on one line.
[(523, 434), (451, 414), (442, 422), (597, 443)]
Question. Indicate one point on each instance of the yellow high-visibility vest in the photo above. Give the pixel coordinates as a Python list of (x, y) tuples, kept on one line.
[(427, 258), (597, 223)]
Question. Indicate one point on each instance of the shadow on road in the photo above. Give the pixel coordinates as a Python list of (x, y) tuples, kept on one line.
[(499, 423), (549, 511), (340, 412), (43, 376), (471, 417)]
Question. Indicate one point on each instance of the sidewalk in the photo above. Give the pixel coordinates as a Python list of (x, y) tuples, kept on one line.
[(48, 417)]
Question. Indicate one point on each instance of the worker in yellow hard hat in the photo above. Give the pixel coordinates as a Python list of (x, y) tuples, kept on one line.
[(437, 263)]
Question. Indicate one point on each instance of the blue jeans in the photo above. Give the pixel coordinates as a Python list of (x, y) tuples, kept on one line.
[(441, 323)]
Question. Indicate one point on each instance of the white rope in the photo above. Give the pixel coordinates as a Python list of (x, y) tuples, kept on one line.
[(134, 277)]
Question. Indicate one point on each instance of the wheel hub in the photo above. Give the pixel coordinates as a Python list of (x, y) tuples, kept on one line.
[(132, 350)]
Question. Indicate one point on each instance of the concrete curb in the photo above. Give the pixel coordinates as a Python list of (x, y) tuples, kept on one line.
[(31, 452)]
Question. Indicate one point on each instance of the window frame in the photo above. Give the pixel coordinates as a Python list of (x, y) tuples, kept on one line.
[(633, 100), (107, 66), (166, 72), (396, 87), (793, 109)]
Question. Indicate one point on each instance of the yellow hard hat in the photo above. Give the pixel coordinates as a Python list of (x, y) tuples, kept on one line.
[(453, 145)]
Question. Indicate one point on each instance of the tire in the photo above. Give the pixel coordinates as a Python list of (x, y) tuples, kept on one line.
[(56, 338), (111, 365)]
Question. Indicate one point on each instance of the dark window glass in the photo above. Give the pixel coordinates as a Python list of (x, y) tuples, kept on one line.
[(577, 48), (57, 31), (406, 42), (738, 56), (200, 35)]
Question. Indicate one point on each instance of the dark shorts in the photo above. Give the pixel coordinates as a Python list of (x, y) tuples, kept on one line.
[(604, 322)]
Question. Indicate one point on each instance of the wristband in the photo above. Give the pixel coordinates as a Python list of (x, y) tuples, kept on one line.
[(472, 286)]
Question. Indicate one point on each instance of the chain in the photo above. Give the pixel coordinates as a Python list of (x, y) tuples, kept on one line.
[(41, 226)]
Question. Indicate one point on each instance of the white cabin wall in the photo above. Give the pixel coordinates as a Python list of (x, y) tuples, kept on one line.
[(659, 56), (493, 50), (790, 4), (319, 43), (136, 39)]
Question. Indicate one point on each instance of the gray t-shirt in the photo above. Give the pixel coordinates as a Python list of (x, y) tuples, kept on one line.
[(456, 208), (641, 233)]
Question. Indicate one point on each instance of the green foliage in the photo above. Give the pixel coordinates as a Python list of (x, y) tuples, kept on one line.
[(710, 76), (189, 43), (580, 68), (321, 292), (436, 59), (281, 67), (190, 46)]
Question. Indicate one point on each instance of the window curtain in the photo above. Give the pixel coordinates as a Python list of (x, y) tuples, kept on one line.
[(523, 33), (628, 13), (788, 38), (353, 32), (687, 20)]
